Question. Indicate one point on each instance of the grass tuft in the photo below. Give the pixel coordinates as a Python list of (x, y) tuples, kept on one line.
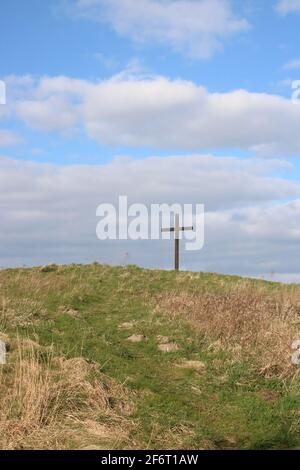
[(47, 401)]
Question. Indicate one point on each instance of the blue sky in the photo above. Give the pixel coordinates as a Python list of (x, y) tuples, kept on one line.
[(43, 38), (48, 38), (92, 81)]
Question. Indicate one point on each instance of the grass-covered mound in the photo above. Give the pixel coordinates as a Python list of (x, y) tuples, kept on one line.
[(194, 360)]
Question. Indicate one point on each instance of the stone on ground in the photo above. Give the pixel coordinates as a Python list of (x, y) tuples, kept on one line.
[(137, 338), (197, 365), (2, 353), (168, 347)]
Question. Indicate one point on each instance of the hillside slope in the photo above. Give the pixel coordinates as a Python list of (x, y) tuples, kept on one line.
[(183, 360)]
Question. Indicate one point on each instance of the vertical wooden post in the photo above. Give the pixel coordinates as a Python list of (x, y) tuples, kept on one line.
[(176, 229), (177, 242), (176, 254)]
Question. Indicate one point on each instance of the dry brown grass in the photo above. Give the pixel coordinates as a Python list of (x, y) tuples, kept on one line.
[(22, 312), (49, 402), (252, 322)]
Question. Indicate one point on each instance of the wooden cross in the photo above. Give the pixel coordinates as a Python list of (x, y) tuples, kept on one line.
[(176, 230)]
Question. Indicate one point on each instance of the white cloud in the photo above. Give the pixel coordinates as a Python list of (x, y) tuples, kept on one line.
[(8, 138), (194, 27), (51, 114), (288, 6), (48, 212), (164, 114), (292, 65)]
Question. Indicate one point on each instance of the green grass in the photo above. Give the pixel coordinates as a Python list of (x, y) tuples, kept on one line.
[(222, 407)]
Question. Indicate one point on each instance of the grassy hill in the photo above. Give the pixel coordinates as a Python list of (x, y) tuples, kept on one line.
[(120, 357)]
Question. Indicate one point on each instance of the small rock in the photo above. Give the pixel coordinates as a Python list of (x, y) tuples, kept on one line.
[(137, 338), (197, 365), (295, 355), (168, 347), (162, 339), (2, 353)]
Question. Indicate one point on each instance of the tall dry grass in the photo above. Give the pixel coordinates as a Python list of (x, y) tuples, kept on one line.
[(252, 322), (49, 402)]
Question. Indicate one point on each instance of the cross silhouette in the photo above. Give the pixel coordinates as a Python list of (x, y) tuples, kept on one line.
[(177, 229)]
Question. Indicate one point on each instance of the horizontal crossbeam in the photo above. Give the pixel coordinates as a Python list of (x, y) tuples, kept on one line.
[(180, 229)]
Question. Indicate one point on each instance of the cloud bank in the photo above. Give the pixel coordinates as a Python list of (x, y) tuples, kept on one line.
[(159, 113), (48, 212)]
